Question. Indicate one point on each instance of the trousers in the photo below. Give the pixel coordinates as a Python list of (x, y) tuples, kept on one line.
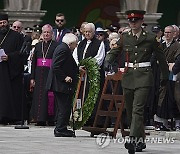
[(64, 104), (135, 99)]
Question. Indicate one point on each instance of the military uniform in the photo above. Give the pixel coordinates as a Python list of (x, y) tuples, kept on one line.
[(138, 78)]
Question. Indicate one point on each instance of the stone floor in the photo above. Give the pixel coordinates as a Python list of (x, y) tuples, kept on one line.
[(40, 140)]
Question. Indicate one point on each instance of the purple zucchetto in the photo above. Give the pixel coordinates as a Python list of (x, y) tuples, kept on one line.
[(3, 16)]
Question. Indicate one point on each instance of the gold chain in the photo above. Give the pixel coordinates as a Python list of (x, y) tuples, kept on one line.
[(4, 38), (45, 53)]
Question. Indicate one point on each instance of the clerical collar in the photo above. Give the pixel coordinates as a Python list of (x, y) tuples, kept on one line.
[(89, 41), (137, 34)]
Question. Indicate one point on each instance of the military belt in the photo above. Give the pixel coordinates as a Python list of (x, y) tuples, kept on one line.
[(137, 65)]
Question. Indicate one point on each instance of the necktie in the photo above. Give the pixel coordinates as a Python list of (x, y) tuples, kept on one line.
[(135, 36), (58, 36)]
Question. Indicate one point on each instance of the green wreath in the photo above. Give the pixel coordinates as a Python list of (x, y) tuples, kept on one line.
[(93, 74)]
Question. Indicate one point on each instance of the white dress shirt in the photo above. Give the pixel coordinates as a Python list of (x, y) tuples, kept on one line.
[(99, 57)]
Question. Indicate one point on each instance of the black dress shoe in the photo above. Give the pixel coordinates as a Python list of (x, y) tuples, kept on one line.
[(160, 127), (66, 133), (131, 147), (163, 128), (140, 146)]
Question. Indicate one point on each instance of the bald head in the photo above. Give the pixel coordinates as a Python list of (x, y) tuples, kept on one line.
[(17, 26)]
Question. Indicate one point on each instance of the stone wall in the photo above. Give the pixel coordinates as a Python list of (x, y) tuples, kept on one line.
[(27, 11)]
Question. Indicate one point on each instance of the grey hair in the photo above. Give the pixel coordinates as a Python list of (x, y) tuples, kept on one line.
[(170, 26), (176, 28), (113, 35), (69, 38), (47, 26), (90, 25)]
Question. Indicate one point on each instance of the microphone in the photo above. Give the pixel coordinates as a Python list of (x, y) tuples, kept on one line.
[(23, 47), (26, 47)]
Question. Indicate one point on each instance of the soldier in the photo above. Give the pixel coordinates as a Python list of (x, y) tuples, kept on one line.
[(138, 46)]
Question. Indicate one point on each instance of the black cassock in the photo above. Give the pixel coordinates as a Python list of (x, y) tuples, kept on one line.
[(41, 110), (11, 77)]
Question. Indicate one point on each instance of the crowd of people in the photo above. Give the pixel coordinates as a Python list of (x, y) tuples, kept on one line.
[(47, 57)]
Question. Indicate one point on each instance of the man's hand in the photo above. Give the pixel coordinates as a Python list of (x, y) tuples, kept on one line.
[(171, 66), (68, 79), (82, 68), (4, 58), (32, 84)]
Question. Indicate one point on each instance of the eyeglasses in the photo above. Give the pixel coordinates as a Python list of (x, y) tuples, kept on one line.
[(16, 27), (61, 20), (88, 31), (167, 32)]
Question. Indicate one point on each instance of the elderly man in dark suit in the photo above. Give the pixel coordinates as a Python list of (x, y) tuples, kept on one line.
[(62, 79)]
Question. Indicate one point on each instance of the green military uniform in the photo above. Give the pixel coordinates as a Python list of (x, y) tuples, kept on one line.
[(138, 46), (111, 60), (138, 78)]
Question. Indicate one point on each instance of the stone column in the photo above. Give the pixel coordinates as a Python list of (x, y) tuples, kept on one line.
[(27, 11), (150, 6), (13, 5), (34, 5)]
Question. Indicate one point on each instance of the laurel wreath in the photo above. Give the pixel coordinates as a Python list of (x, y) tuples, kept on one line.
[(93, 74)]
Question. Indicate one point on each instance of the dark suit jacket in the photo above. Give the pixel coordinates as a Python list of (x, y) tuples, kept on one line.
[(63, 65), (176, 67), (65, 30)]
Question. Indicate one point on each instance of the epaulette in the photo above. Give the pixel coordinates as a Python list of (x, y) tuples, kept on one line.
[(126, 32), (144, 32), (129, 32)]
